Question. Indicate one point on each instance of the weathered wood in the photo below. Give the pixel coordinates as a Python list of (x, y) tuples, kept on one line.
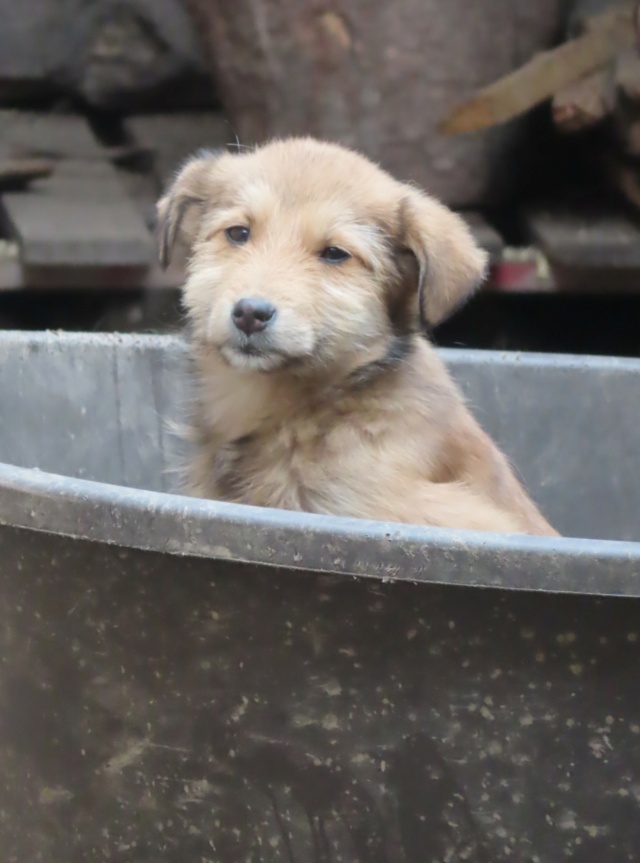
[(55, 136), (546, 74), (14, 276), (586, 236), (111, 53), (379, 77), (172, 138), (584, 103), (30, 37), (18, 172), (81, 216)]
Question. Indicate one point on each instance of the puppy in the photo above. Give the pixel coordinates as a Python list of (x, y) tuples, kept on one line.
[(311, 274)]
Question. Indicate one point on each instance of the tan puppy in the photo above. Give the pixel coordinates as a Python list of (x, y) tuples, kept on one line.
[(310, 274)]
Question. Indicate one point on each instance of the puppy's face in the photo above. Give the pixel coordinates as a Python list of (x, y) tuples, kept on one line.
[(305, 255)]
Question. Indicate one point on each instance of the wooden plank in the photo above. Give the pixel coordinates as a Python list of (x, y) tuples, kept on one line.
[(583, 103), (546, 74), (174, 137), (81, 216), (17, 173), (28, 45), (13, 276), (58, 136), (587, 236), (108, 53)]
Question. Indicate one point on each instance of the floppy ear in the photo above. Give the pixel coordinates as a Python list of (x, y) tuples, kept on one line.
[(450, 263), (180, 209)]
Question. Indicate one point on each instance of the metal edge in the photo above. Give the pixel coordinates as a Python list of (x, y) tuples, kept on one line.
[(452, 356)]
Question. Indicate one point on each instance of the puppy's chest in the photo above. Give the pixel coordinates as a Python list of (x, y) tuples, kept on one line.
[(283, 468)]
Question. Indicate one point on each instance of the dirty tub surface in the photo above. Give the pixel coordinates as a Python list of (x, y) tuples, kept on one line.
[(186, 680)]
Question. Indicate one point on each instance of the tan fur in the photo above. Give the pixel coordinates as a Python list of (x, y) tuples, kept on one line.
[(342, 407)]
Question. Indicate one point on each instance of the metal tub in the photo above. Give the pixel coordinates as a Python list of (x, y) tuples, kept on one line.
[(186, 681)]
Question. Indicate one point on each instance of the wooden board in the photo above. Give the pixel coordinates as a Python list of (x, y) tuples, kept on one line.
[(379, 76), (13, 276), (585, 236), (172, 138), (28, 45), (81, 216), (111, 54), (60, 136)]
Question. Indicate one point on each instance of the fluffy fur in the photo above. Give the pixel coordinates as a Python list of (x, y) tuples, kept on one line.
[(339, 405)]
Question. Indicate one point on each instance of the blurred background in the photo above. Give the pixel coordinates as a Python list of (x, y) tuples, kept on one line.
[(523, 116)]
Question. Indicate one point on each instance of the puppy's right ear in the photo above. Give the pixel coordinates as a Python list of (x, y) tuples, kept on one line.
[(179, 211), (450, 262)]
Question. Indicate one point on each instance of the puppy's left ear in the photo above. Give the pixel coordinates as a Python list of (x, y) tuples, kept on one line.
[(180, 210), (451, 265)]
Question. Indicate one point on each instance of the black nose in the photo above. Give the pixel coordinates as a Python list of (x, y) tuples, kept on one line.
[(252, 316)]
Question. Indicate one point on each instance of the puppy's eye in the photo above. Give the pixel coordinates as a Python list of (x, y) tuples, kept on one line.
[(334, 255), (238, 234)]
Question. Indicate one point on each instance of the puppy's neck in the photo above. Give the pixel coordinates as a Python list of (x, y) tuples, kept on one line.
[(236, 403), (232, 402), (380, 360)]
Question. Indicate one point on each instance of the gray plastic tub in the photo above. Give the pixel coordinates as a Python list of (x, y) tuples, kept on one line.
[(185, 680)]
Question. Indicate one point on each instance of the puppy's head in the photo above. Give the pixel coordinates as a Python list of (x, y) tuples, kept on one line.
[(305, 254)]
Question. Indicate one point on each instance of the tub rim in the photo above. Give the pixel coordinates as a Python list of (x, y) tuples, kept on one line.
[(190, 527)]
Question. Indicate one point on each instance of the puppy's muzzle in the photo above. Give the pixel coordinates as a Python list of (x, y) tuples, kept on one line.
[(252, 315)]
